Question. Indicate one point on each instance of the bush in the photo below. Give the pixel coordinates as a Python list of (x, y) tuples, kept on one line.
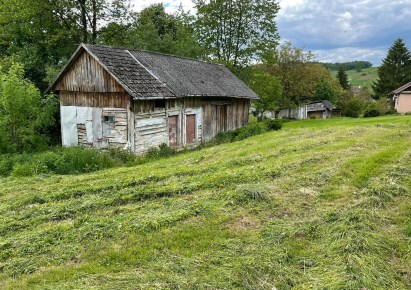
[(6, 166), (247, 131), (274, 125), (353, 108), (162, 151), (372, 112)]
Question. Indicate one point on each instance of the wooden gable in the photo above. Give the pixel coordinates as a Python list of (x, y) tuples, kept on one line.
[(86, 74)]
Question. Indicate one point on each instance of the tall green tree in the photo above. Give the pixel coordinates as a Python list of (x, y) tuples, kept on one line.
[(237, 31), (300, 74), (394, 71), (39, 34), (154, 29), (24, 114), (42, 34), (268, 88), (91, 13), (343, 78), (326, 91)]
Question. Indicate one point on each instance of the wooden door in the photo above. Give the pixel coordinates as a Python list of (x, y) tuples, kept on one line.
[(221, 118), (172, 130), (191, 129)]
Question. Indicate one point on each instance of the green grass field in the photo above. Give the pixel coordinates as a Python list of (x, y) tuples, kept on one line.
[(365, 77), (321, 204)]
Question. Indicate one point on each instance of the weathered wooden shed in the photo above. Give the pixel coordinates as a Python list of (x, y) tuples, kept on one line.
[(322, 109), (114, 97)]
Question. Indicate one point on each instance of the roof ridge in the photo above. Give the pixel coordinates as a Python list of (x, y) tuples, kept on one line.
[(156, 52), (401, 89)]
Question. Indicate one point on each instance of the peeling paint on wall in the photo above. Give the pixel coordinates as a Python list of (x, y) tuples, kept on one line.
[(76, 120)]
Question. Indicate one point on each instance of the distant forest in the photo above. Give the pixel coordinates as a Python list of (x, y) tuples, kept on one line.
[(357, 65)]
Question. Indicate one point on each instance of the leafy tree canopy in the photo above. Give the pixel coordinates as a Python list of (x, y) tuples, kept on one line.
[(24, 115), (268, 88), (300, 75), (235, 32)]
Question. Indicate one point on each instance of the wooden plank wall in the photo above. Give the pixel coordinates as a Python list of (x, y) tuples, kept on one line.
[(94, 99), (87, 75), (151, 123), (150, 130), (115, 133), (237, 115)]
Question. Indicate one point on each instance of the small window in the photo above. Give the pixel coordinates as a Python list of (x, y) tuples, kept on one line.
[(109, 119), (159, 104)]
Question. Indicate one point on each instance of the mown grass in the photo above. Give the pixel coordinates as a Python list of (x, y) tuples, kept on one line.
[(321, 204)]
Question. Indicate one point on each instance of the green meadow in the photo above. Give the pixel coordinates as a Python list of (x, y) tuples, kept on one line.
[(320, 204), (363, 78)]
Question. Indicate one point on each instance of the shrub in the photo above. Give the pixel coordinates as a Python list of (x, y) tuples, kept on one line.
[(371, 112), (247, 131), (6, 166), (353, 108), (274, 125), (162, 151), (165, 150)]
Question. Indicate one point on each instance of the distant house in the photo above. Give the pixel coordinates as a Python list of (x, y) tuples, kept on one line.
[(322, 109), (113, 97), (402, 98)]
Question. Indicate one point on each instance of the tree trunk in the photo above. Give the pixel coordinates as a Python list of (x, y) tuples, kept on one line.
[(94, 26), (83, 16)]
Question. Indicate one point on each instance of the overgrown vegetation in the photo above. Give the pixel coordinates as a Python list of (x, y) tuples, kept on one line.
[(25, 116), (247, 131), (74, 160), (77, 160), (320, 204)]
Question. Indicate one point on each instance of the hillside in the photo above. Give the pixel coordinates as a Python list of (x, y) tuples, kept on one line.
[(319, 204), (365, 77)]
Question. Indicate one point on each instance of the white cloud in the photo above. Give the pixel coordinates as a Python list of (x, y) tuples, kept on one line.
[(343, 29), (345, 54)]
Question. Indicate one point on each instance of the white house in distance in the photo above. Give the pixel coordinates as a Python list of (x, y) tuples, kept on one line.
[(402, 98)]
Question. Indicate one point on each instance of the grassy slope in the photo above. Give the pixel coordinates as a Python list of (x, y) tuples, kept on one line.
[(331, 209), (364, 78)]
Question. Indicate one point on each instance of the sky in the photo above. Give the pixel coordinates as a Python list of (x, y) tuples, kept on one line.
[(334, 30)]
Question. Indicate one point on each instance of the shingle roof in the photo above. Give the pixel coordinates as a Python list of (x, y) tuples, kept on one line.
[(329, 105), (152, 75), (401, 89), (320, 106)]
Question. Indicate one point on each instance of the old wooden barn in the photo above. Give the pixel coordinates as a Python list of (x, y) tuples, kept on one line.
[(113, 97)]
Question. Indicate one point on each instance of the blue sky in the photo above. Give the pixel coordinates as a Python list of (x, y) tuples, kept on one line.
[(335, 30)]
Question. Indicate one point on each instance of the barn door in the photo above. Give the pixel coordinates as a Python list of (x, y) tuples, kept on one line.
[(191, 129), (221, 118), (172, 130)]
